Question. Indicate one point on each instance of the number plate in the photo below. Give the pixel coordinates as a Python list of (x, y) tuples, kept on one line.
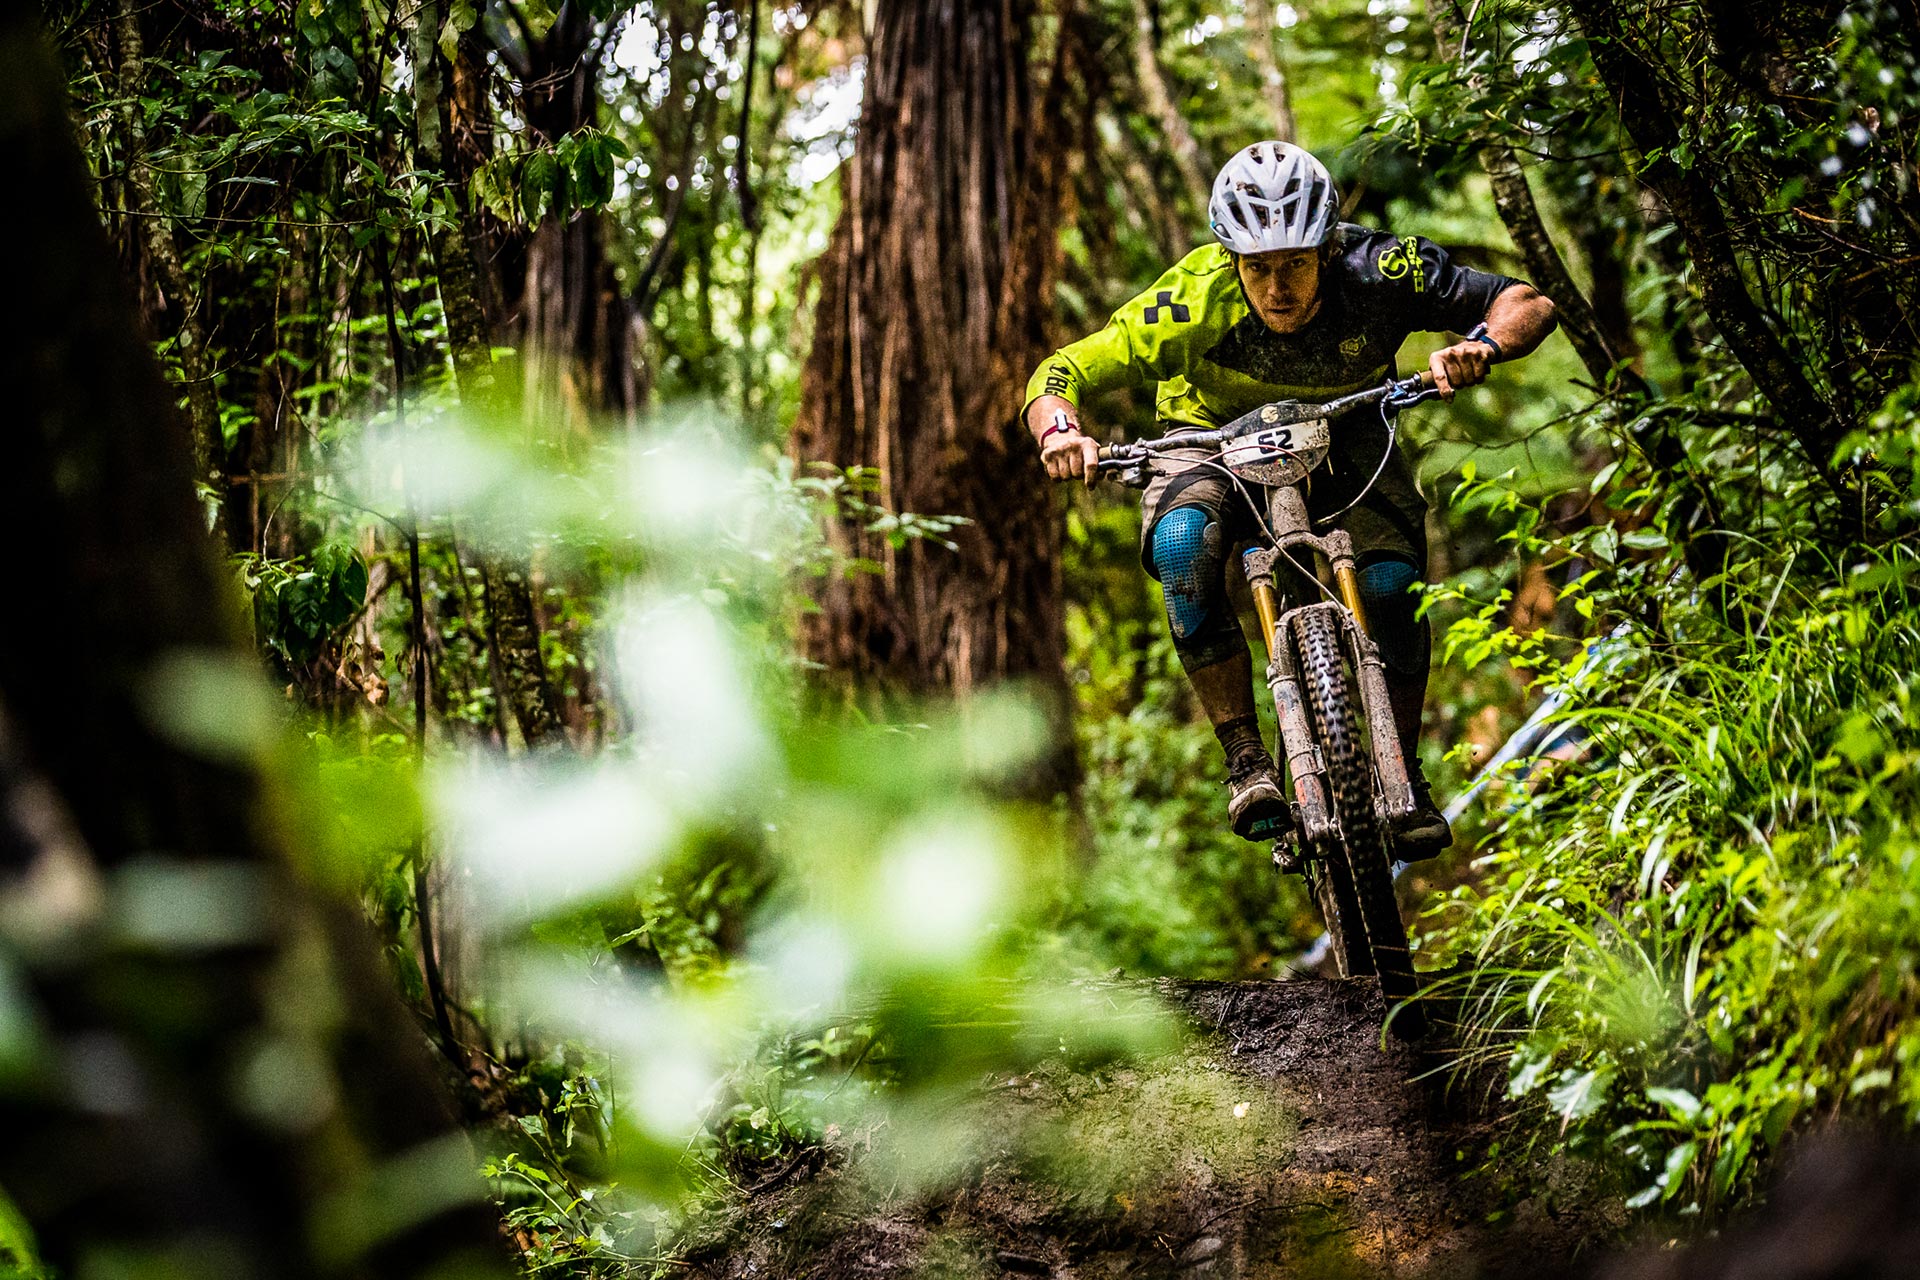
[(1279, 455)]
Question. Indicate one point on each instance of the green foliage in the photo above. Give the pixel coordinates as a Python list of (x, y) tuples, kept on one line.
[(1171, 889), (18, 1259), (709, 942), (743, 928), (1702, 932), (300, 604), (574, 175)]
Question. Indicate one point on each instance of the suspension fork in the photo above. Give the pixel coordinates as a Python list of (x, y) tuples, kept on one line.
[(1306, 770), (1396, 786), (1333, 554)]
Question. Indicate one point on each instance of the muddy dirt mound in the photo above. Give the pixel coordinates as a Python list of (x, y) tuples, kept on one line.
[(1283, 1141)]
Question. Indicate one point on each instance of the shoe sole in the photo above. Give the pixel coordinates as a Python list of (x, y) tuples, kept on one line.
[(1412, 848), (1264, 816)]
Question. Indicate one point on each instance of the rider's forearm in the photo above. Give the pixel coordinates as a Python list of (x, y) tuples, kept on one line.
[(1520, 320)]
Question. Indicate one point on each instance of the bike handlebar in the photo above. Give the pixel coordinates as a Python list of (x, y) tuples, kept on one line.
[(1391, 395)]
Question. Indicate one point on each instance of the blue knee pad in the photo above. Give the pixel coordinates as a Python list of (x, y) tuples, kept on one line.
[(1392, 609), (1186, 556)]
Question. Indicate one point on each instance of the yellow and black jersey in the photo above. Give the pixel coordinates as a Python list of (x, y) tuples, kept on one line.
[(1214, 359)]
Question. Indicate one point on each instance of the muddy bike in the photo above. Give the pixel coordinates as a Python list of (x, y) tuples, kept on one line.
[(1349, 783)]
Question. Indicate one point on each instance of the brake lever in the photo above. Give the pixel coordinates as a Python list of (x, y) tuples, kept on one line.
[(1131, 472), (1420, 392), (1124, 463), (1397, 403)]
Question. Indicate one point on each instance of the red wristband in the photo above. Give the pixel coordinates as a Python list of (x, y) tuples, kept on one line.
[(1060, 423)]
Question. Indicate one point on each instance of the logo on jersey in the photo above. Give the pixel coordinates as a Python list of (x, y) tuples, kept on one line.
[(1351, 347), (1403, 260), (1165, 299)]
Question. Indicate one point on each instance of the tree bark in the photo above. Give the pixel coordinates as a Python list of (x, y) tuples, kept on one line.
[(934, 308), (133, 1136), (453, 259), (1604, 240), (1158, 98), (750, 220), (203, 405), (571, 321), (1272, 72), (513, 628), (1711, 245)]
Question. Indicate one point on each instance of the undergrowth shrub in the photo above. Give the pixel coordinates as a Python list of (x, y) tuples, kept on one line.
[(1171, 890), (1701, 935), (749, 925)]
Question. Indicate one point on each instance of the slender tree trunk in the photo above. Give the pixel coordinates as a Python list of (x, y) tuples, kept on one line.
[(1711, 244), (1603, 240), (574, 324), (1706, 544), (682, 129), (513, 629), (749, 202), (936, 297), (469, 145), (203, 405), (1513, 199), (1170, 232), (1272, 71), (134, 1136), (1158, 99), (453, 259)]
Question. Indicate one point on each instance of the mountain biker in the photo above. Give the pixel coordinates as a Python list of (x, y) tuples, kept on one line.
[(1290, 304)]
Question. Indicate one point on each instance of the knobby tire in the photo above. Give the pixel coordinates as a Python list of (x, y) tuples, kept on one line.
[(1361, 861), (1333, 890)]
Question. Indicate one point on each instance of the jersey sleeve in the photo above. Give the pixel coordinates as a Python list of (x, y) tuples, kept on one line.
[(1147, 340), (1451, 297)]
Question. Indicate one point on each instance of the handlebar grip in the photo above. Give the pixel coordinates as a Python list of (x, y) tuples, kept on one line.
[(1106, 453)]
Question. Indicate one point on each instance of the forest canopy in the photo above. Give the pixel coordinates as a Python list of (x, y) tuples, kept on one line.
[(558, 701)]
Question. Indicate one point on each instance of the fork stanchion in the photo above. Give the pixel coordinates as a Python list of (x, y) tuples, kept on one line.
[(1266, 603), (1347, 582)]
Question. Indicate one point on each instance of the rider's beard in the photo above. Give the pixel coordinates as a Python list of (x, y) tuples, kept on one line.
[(1293, 319)]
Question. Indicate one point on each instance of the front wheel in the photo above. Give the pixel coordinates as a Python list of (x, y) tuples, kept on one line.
[(1358, 865)]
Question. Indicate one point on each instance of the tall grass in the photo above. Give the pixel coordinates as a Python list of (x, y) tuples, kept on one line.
[(1703, 934)]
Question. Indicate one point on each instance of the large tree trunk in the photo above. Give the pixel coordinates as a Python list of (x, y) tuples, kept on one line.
[(224, 1077), (571, 321), (936, 293)]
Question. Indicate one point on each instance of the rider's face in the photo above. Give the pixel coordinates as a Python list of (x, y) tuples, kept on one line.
[(1283, 286)]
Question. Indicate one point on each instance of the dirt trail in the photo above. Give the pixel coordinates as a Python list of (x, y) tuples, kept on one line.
[(1284, 1141)]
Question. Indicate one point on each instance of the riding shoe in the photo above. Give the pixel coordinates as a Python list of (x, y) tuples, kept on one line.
[(1256, 809), (1424, 833)]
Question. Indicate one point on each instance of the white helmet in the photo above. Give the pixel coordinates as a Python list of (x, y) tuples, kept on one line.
[(1273, 195)]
